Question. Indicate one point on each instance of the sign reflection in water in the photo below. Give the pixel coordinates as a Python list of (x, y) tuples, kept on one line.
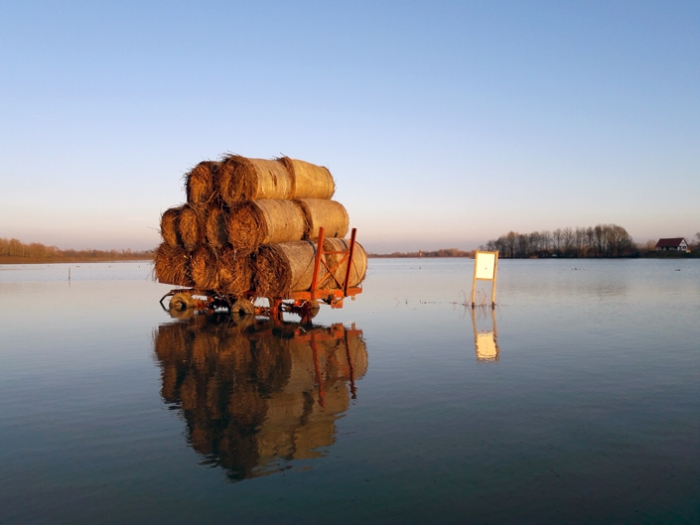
[(485, 341), (256, 395)]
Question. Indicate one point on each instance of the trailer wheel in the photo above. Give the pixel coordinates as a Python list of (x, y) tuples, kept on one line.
[(181, 302), (242, 307), (313, 308)]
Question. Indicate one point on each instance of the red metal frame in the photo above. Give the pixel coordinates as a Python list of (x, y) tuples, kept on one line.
[(333, 296)]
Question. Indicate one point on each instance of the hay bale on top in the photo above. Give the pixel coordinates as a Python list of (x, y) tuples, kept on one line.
[(242, 179), (330, 215), (266, 221), (215, 226), (169, 226), (359, 262), (191, 227), (205, 273), (235, 272), (310, 181), (172, 265), (200, 183), (284, 267)]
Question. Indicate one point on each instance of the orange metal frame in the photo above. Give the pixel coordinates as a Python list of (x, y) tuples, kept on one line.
[(332, 296)]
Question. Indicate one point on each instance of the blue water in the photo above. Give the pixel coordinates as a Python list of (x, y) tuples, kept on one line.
[(577, 400)]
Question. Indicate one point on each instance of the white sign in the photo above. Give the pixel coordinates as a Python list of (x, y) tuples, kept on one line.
[(485, 265)]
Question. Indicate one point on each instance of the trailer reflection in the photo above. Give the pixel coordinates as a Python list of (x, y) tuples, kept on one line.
[(256, 395)]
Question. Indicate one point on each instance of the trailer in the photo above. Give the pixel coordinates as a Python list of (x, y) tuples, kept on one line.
[(326, 289)]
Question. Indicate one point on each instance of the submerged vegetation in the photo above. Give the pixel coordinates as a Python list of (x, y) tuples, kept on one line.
[(15, 251)]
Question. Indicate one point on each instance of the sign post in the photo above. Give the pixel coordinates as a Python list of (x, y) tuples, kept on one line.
[(485, 269)]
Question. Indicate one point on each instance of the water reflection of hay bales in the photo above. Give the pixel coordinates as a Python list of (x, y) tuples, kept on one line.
[(257, 395)]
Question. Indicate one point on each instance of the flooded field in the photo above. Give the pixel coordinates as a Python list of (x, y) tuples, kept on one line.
[(576, 401)]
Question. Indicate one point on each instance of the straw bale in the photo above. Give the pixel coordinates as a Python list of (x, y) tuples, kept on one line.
[(204, 269), (310, 181), (235, 271), (242, 179), (284, 267), (359, 262), (172, 265), (331, 215), (215, 226), (191, 227), (168, 226), (200, 183), (265, 221)]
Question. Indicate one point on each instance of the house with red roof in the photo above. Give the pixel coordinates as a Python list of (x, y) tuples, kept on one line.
[(675, 244)]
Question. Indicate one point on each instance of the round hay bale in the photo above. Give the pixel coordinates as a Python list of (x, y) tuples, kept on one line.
[(242, 179), (310, 181), (191, 227), (331, 215), (215, 226), (200, 182), (265, 221), (205, 269), (235, 272), (169, 226), (284, 267), (359, 262), (172, 265)]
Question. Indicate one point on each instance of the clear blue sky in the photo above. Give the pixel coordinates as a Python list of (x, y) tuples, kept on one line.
[(445, 124)]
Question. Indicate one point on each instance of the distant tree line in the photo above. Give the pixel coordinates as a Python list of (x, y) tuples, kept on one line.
[(17, 249), (604, 240), (443, 252)]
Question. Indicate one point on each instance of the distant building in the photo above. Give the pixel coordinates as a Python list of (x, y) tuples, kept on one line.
[(675, 244)]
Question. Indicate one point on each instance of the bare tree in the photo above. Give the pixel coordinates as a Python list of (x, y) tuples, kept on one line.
[(580, 242), (568, 241)]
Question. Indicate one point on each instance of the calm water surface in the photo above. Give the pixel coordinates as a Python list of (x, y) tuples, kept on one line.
[(576, 401)]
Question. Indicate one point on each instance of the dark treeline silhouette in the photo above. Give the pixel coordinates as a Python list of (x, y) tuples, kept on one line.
[(14, 248), (604, 240)]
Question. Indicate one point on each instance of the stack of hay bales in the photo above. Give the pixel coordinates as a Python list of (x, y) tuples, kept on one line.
[(252, 225)]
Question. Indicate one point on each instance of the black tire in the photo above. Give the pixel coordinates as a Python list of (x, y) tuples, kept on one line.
[(181, 302), (242, 307)]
